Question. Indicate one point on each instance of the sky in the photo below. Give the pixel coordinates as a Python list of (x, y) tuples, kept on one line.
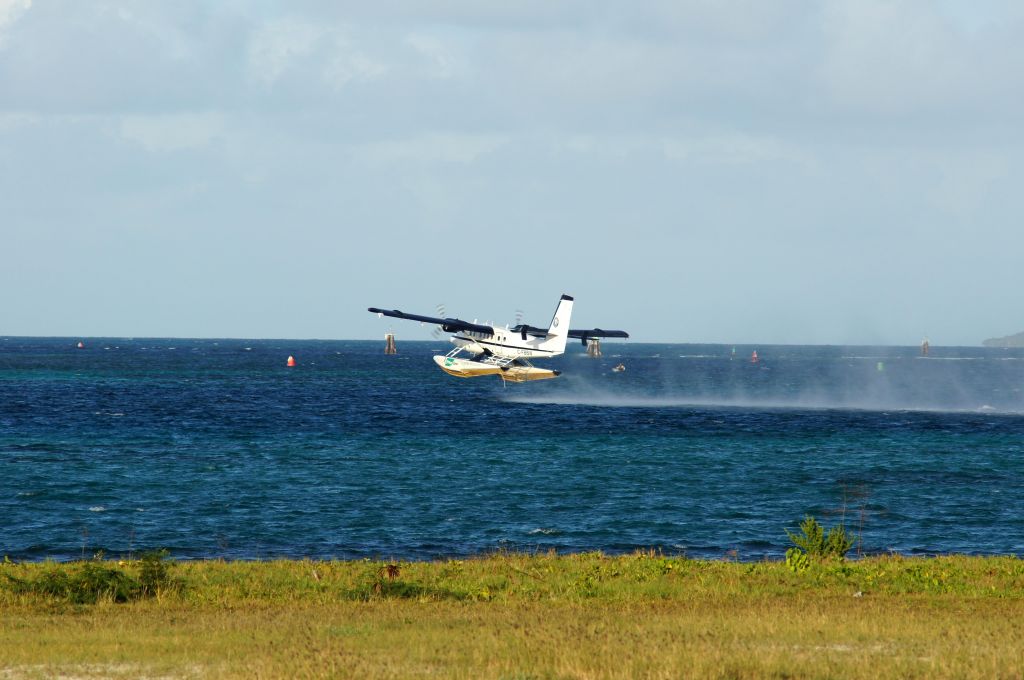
[(795, 171)]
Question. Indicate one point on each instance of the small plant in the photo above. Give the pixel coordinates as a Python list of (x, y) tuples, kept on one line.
[(154, 573), (814, 541), (384, 583), (797, 560), (586, 583), (389, 571)]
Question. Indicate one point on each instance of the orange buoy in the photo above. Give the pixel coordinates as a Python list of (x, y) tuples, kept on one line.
[(291, 360), (80, 345)]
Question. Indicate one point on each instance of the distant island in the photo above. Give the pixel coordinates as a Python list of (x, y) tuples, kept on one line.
[(1009, 341)]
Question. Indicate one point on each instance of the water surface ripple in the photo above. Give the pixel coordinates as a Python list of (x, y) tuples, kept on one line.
[(217, 449)]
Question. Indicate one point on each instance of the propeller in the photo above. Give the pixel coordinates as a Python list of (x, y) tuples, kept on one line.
[(438, 333), (519, 322)]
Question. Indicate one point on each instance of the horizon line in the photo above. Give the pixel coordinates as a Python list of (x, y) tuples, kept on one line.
[(73, 338)]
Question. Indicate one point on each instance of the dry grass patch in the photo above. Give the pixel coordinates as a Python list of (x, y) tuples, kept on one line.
[(513, 616)]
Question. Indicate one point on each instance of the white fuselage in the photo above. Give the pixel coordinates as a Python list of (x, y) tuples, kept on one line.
[(509, 344), (504, 343)]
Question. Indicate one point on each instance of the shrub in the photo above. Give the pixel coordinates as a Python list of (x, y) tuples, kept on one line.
[(154, 573), (87, 585), (96, 581), (93, 581), (838, 542), (811, 539), (814, 541)]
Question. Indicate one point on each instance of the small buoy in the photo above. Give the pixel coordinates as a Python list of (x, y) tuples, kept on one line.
[(81, 345), (880, 366), (753, 357), (291, 360)]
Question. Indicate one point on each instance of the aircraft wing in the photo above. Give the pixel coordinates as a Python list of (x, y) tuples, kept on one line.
[(585, 334), (525, 331), (580, 333), (449, 325)]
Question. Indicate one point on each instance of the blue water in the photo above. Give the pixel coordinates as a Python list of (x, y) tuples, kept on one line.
[(216, 449)]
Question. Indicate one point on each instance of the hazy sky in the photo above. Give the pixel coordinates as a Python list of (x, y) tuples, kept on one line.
[(845, 171)]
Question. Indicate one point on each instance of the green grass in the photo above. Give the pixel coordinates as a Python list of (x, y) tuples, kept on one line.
[(518, 616)]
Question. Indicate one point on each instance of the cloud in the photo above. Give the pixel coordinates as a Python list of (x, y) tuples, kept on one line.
[(10, 12), (967, 181), (908, 57), (172, 132), (275, 46), (118, 57), (694, 147), (14, 121), (739, 149), (440, 60), (696, 144), (295, 47), (432, 148), (347, 64), (163, 30)]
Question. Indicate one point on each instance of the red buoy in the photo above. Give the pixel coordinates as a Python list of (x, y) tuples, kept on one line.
[(81, 345), (291, 360), (753, 357)]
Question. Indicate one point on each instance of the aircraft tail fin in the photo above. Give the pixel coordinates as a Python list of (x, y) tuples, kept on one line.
[(558, 331)]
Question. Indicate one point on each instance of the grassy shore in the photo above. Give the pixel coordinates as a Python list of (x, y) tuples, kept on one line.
[(518, 616)]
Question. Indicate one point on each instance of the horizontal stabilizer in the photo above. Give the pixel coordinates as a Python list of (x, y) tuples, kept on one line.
[(449, 325), (596, 333)]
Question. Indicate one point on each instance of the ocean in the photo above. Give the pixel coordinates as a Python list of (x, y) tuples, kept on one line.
[(214, 448)]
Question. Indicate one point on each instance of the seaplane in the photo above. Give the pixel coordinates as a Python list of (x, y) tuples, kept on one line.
[(482, 349)]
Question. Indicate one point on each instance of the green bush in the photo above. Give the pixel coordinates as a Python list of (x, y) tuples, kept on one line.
[(811, 539), (814, 541), (88, 584), (838, 542), (94, 581), (154, 573)]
